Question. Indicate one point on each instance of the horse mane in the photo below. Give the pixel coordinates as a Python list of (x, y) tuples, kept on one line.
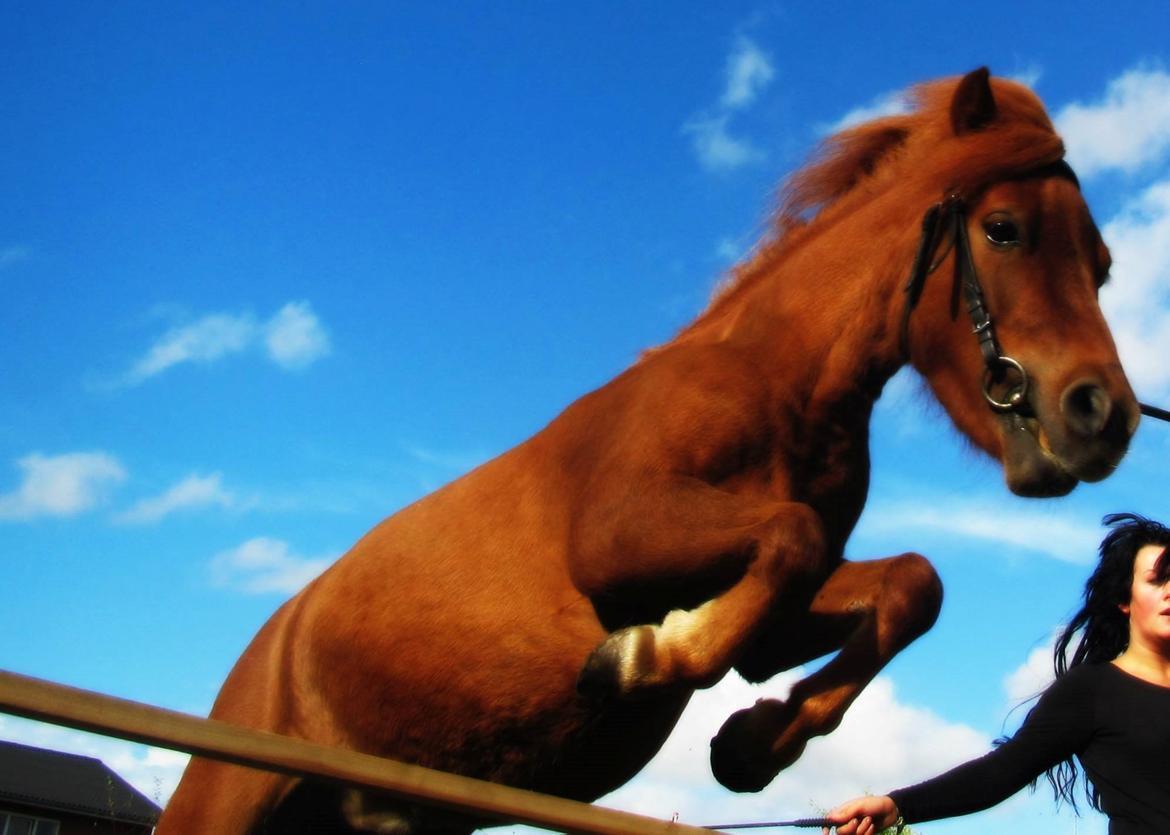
[(917, 151)]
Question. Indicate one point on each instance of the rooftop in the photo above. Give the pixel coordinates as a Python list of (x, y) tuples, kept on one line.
[(70, 783)]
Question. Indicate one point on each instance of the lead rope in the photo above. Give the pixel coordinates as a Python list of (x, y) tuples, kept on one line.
[(1154, 412), (806, 823)]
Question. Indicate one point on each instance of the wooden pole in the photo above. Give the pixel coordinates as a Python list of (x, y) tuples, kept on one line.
[(85, 710)]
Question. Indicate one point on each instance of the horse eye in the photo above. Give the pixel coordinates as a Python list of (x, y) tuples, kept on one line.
[(1002, 232)]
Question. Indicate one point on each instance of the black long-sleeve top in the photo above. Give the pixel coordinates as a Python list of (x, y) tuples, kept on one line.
[(1117, 725)]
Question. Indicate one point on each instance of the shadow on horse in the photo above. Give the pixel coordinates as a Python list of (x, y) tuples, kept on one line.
[(543, 620)]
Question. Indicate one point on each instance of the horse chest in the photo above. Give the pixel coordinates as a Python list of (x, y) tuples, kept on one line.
[(834, 477)]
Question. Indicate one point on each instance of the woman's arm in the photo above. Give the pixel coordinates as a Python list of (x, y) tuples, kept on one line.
[(1059, 726)]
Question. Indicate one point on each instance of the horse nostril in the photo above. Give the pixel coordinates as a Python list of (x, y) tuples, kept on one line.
[(1086, 407)]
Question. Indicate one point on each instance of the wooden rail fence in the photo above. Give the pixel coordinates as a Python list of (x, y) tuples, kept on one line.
[(88, 711)]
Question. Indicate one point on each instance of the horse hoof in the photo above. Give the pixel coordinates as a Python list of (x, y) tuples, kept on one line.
[(742, 758), (619, 663)]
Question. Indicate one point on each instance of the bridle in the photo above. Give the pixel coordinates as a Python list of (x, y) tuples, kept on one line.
[(947, 220), (951, 216)]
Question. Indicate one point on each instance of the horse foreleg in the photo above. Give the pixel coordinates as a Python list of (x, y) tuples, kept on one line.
[(225, 799), (679, 532), (215, 797), (871, 610)]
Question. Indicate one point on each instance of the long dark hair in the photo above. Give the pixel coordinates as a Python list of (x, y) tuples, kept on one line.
[(1100, 629)]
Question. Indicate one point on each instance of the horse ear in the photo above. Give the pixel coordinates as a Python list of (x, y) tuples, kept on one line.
[(973, 107)]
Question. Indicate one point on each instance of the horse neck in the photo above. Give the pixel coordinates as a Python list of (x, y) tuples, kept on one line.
[(824, 315)]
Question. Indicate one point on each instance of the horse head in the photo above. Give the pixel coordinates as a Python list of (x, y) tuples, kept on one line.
[(1047, 395)]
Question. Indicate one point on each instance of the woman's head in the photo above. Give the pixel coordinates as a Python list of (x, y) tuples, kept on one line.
[(1148, 608), (1103, 620)]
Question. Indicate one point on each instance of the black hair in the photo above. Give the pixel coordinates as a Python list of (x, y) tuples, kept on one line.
[(1099, 628)]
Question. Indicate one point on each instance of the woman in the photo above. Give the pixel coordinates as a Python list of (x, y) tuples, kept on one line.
[(1109, 707)]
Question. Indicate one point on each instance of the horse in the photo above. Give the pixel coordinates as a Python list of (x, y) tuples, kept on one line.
[(543, 620)]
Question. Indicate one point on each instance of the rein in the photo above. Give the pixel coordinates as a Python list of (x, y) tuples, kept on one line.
[(950, 216), (807, 823)]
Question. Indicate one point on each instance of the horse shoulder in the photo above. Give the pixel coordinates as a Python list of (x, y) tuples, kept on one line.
[(694, 410)]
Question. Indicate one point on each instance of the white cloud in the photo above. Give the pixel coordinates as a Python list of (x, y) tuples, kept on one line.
[(153, 771), (1137, 301), (882, 743), (716, 148), (192, 492), (749, 70), (1040, 530), (887, 104), (209, 339), (61, 485), (1032, 677), (295, 337), (263, 565), (1126, 130)]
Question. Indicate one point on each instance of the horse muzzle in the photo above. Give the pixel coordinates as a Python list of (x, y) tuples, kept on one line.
[(1050, 448)]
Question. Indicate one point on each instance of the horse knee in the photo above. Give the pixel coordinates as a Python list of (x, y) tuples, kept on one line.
[(915, 594), (794, 552)]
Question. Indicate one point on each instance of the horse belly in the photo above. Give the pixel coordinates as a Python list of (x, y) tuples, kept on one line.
[(501, 706), (608, 748), (468, 663)]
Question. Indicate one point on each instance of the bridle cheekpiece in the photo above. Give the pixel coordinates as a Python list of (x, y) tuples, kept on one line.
[(947, 220)]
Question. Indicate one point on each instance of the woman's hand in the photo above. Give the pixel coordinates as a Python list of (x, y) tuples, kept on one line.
[(864, 816)]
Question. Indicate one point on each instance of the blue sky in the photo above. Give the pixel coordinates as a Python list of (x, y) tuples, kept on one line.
[(271, 272)]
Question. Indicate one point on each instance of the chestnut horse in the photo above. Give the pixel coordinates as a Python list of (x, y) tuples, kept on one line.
[(543, 620)]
